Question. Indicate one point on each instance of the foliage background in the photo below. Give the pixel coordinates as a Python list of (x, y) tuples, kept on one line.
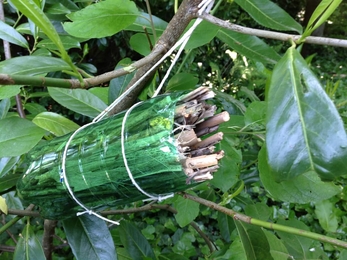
[(178, 228)]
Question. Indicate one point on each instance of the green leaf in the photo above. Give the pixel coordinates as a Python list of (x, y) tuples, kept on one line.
[(118, 85), (228, 173), (28, 246), (320, 15), (9, 91), (256, 114), (78, 100), (3, 205), (34, 108), (250, 46), (187, 211), (305, 188), (4, 106), (8, 33), (102, 19), (202, 34), (32, 11), (32, 65), (18, 136), (67, 41), (134, 242), (55, 123), (143, 21), (254, 241), (100, 92), (304, 130), (326, 215), (89, 238), (182, 81), (270, 15), (139, 42), (12, 200), (277, 249), (297, 246), (226, 226), (258, 211), (8, 182), (6, 164)]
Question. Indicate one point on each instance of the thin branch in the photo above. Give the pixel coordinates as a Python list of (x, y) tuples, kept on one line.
[(47, 240), (273, 35), (244, 218), (15, 220)]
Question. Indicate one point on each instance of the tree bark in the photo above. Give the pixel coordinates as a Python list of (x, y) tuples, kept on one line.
[(187, 11)]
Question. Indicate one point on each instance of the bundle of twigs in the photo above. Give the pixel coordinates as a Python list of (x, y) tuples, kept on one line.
[(164, 148)]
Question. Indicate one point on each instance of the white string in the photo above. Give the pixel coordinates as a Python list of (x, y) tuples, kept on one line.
[(204, 6), (151, 197)]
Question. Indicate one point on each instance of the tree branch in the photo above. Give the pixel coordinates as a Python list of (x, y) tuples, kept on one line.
[(47, 240), (238, 216), (273, 35), (186, 12)]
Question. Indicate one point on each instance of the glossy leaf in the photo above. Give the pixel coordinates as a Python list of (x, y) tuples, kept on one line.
[(320, 15), (100, 92), (228, 173), (187, 211), (67, 41), (102, 19), (28, 246), (182, 81), (134, 242), (89, 238), (326, 215), (270, 15), (9, 91), (256, 114), (258, 211), (250, 46), (226, 226), (4, 106), (12, 200), (24, 65), (3, 205), (254, 241), (304, 130), (143, 21), (8, 33), (18, 136), (202, 35), (6, 164), (118, 85), (277, 249), (34, 108), (8, 182), (55, 123), (32, 11), (78, 100), (297, 246), (139, 42), (305, 188)]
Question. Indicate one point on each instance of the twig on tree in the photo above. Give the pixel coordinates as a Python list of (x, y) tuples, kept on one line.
[(47, 240), (273, 35), (241, 217)]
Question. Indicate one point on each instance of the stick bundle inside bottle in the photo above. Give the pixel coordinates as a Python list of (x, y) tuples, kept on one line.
[(167, 149), (195, 119)]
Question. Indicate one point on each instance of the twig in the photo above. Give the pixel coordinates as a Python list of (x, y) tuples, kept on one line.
[(273, 35), (15, 220), (241, 217), (47, 240)]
